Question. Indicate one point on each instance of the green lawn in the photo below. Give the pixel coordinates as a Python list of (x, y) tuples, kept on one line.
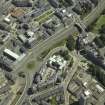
[(45, 53), (31, 65), (42, 18), (53, 101), (99, 23)]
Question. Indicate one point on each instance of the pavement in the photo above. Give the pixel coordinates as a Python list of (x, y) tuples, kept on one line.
[(48, 43), (27, 84), (95, 13), (7, 99), (59, 36), (101, 100), (69, 76), (49, 92), (62, 34)]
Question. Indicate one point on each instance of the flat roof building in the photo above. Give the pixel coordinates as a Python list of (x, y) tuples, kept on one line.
[(11, 54), (57, 62), (22, 3)]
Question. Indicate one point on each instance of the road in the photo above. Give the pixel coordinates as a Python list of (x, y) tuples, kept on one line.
[(69, 76), (62, 34), (65, 83), (48, 43), (47, 93), (59, 36), (95, 13), (101, 99), (37, 50), (4, 6), (27, 84), (6, 99)]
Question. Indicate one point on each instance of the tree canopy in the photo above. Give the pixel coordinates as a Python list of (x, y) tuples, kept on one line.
[(71, 43)]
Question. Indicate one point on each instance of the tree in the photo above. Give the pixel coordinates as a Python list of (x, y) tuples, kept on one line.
[(102, 37), (94, 71), (65, 54), (95, 2), (87, 7), (98, 42), (70, 2), (71, 43), (71, 63), (97, 72), (21, 74), (25, 26), (30, 91), (102, 30)]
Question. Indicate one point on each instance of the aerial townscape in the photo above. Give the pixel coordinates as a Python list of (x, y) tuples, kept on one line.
[(52, 52)]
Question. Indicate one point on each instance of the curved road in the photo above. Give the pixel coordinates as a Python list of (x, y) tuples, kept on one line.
[(27, 84), (38, 49)]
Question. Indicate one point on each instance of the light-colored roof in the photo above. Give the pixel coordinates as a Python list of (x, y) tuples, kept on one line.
[(60, 60), (12, 54), (99, 88)]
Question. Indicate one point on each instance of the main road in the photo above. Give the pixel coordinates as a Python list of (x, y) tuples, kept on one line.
[(95, 13), (62, 34), (38, 49), (69, 76), (59, 36), (48, 43)]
